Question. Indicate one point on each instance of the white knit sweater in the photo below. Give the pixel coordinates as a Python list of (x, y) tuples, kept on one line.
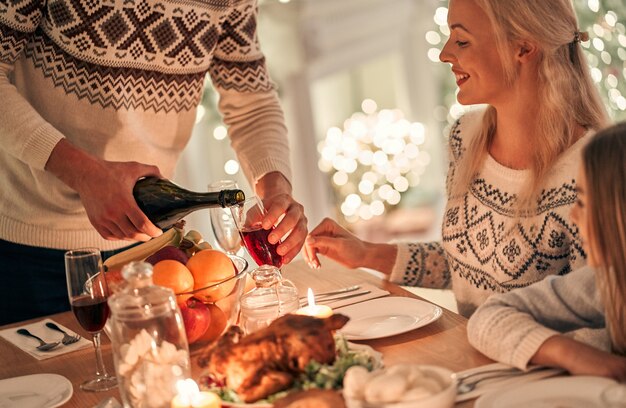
[(121, 80), (511, 327), (485, 248)]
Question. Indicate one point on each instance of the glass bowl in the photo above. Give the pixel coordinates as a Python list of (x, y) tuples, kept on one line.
[(224, 294)]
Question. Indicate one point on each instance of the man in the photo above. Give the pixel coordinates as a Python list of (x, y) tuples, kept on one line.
[(98, 93)]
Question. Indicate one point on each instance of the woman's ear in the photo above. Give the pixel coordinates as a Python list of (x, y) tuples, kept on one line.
[(526, 51)]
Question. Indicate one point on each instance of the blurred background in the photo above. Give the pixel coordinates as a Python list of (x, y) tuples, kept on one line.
[(368, 105)]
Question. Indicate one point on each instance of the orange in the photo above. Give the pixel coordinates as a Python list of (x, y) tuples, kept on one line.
[(174, 275), (115, 281), (209, 267), (219, 320)]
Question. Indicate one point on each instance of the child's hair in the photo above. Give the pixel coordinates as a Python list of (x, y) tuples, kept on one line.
[(604, 163), (567, 94)]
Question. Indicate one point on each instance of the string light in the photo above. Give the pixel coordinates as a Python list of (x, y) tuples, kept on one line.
[(373, 160)]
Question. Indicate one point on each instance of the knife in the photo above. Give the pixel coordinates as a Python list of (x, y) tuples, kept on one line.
[(334, 292), (334, 298)]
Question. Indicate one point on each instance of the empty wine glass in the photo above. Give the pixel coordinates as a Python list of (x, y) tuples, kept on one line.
[(248, 217), (87, 291), (222, 223)]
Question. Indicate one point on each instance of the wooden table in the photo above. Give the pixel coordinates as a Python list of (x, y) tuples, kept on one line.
[(443, 342)]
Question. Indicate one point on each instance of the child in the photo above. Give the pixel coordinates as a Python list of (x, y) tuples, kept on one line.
[(524, 326)]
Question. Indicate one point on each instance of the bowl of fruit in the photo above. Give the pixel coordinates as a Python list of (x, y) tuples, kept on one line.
[(207, 283)]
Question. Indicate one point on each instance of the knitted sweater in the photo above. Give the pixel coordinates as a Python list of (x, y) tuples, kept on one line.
[(121, 79), (485, 248), (511, 327)]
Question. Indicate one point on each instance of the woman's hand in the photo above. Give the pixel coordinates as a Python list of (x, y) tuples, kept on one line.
[(337, 243), (106, 191), (283, 212), (580, 359)]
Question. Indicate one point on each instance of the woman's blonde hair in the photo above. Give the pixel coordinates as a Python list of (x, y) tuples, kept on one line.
[(567, 94), (605, 171)]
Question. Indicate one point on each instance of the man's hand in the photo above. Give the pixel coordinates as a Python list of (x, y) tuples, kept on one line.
[(283, 212), (106, 191)]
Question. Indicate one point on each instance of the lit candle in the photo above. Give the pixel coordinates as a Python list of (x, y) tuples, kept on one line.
[(190, 396), (319, 311)]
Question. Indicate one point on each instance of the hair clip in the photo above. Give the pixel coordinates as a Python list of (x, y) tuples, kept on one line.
[(581, 36)]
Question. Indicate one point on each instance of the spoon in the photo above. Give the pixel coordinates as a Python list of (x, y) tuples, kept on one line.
[(43, 345)]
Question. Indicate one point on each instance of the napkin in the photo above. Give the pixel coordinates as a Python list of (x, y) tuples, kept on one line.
[(39, 329), (498, 382), (374, 292)]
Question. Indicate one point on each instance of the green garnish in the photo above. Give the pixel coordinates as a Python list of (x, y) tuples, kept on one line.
[(316, 375)]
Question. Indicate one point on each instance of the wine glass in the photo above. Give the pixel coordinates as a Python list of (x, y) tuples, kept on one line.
[(222, 222), (87, 290), (248, 217)]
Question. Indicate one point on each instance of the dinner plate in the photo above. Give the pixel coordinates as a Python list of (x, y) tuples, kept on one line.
[(387, 316), (35, 391), (558, 392)]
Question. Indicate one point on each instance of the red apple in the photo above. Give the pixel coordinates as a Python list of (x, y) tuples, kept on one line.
[(196, 317), (168, 252)]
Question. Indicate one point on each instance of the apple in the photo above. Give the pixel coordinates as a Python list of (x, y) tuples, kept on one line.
[(168, 252), (196, 317)]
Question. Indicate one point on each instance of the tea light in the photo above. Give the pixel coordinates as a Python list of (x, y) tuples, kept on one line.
[(190, 396), (319, 311)]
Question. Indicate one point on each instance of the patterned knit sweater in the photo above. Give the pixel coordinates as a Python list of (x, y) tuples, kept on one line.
[(121, 79), (485, 249)]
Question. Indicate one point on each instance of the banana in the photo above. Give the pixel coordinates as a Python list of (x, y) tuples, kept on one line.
[(173, 236)]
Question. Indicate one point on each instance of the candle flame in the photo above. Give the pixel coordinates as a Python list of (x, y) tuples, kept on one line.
[(311, 297), (188, 391)]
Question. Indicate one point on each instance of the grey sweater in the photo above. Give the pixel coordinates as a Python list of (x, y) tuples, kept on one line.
[(511, 327)]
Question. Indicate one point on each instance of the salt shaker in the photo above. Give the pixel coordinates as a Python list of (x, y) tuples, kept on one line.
[(272, 297), (148, 338)]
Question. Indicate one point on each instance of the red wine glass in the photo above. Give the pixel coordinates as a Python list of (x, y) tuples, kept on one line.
[(87, 290), (248, 217)]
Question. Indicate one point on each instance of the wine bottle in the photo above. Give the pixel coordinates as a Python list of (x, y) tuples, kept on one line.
[(165, 203)]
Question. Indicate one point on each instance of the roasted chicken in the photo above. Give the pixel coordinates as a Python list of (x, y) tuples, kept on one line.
[(269, 360)]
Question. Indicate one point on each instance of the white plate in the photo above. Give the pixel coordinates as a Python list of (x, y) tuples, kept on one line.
[(387, 316), (558, 392), (36, 391)]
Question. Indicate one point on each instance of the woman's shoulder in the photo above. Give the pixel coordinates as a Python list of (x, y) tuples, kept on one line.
[(567, 163), (464, 129)]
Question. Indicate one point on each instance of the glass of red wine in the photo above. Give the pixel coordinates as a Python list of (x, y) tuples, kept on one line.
[(248, 217), (87, 290)]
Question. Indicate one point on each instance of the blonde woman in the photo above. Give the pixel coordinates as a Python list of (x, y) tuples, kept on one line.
[(511, 179), (525, 325)]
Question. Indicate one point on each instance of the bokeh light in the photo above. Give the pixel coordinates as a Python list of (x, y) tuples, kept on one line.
[(373, 160)]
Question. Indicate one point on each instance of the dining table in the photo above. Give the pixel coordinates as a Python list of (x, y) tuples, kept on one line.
[(442, 342)]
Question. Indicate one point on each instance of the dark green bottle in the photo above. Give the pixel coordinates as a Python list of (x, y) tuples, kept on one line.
[(165, 203)]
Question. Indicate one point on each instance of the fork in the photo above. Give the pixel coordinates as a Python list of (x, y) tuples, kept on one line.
[(465, 387), (43, 346), (67, 339)]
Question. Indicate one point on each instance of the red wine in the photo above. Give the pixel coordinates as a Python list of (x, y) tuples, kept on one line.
[(91, 313), (260, 249), (165, 203)]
